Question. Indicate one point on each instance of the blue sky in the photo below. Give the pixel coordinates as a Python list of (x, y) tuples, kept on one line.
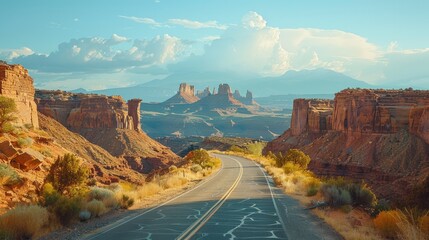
[(141, 40)]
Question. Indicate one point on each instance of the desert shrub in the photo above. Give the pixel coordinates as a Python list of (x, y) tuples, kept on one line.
[(237, 149), (312, 191), (336, 196), (46, 152), (7, 113), (25, 142), (387, 223), (294, 156), (126, 201), (84, 215), (360, 194), (196, 168), (198, 156), (100, 194), (256, 148), (67, 209), (96, 208), (49, 195), (174, 181), (23, 222), (290, 167), (149, 189), (68, 176), (8, 175)]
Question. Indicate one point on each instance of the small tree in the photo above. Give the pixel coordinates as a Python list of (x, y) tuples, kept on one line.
[(295, 156), (7, 110), (67, 174)]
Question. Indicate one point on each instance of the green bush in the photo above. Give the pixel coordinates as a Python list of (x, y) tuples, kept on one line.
[(7, 113), (290, 167), (25, 142), (196, 168), (67, 209), (237, 149), (335, 196), (100, 194), (8, 176), (126, 201), (256, 148), (50, 195), (294, 156), (312, 191), (202, 158), (339, 189), (68, 176)]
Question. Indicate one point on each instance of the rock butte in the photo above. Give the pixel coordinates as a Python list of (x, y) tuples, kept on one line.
[(16, 83), (381, 136)]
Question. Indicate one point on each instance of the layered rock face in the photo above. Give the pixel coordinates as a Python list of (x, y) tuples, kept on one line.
[(83, 111), (380, 136), (186, 94), (16, 83), (110, 123), (313, 115), (382, 111)]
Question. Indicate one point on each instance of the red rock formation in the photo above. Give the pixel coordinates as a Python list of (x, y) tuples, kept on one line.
[(110, 123), (313, 115), (16, 83), (134, 112), (381, 136), (89, 111), (184, 95)]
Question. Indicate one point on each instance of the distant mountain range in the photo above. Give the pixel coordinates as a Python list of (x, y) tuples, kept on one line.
[(319, 81)]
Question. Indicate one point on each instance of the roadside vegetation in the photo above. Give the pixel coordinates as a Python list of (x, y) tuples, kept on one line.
[(351, 208), (69, 195)]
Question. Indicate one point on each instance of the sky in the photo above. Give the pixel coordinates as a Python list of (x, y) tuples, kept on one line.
[(105, 44)]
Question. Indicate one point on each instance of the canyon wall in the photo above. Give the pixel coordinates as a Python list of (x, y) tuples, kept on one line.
[(381, 136), (16, 83), (89, 111), (313, 115)]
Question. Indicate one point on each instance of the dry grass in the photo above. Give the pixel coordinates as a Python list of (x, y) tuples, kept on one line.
[(96, 208), (24, 222), (355, 225)]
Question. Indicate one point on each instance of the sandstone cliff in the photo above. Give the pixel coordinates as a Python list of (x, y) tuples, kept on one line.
[(110, 123), (16, 83), (377, 135)]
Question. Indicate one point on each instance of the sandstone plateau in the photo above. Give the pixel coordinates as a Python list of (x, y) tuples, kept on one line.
[(381, 136)]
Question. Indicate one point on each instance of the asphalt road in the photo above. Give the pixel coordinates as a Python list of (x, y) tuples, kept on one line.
[(238, 202)]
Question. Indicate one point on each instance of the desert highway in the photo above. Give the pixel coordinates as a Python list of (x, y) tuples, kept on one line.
[(240, 201)]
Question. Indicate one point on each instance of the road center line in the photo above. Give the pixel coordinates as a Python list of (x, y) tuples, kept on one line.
[(197, 225), (120, 223)]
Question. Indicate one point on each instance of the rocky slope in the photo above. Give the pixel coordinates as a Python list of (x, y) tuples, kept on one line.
[(27, 152), (377, 135)]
